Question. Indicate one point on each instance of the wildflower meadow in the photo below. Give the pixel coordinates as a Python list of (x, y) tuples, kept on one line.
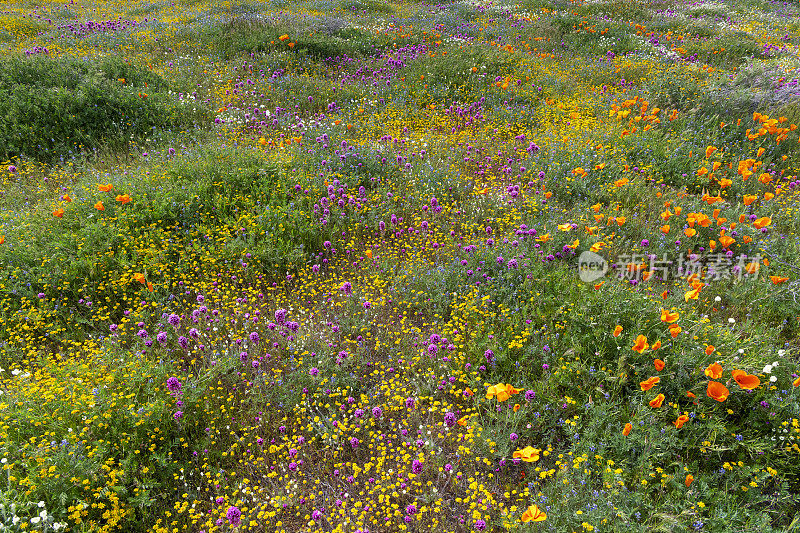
[(389, 265)]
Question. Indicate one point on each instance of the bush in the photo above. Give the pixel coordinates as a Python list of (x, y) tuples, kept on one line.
[(51, 109)]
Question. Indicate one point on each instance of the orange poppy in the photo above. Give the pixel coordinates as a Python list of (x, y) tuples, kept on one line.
[(692, 294), (139, 277), (516, 407), (749, 199), (674, 330), (2, 239), (689, 479), (745, 380), (641, 344), (463, 420), (658, 363), (99, 206), (617, 331), (649, 383), (533, 514), (690, 394), (796, 382), (656, 345), (726, 241), (105, 188), (681, 421), (717, 391), (123, 198), (668, 317), (627, 430), (67, 198), (714, 371), (58, 213), (657, 401), (778, 279), (503, 392), (710, 349), (762, 222), (368, 253)]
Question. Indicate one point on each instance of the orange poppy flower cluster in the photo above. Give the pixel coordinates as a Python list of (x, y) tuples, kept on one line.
[(503, 392), (717, 390)]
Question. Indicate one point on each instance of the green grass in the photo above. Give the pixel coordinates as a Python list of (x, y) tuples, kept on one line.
[(57, 109)]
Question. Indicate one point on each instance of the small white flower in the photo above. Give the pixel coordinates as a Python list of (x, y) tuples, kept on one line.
[(717, 299), (35, 520), (15, 372), (781, 353), (41, 505), (773, 379), (741, 350), (731, 320), (767, 369)]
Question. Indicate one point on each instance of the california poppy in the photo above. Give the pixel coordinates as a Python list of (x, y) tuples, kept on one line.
[(123, 198), (516, 407), (2, 239), (533, 514), (649, 383), (641, 344), (657, 401), (745, 380), (139, 277), (527, 454), (681, 421), (710, 349), (105, 188), (689, 479), (658, 362), (503, 392), (668, 317), (762, 222), (627, 430), (777, 279), (58, 213), (714, 371), (717, 391), (99, 206), (617, 331), (674, 330)]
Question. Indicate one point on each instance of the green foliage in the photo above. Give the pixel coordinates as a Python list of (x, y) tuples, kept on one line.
[(51, 109)]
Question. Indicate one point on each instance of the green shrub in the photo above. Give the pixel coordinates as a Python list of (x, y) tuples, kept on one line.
[(51, 109)]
